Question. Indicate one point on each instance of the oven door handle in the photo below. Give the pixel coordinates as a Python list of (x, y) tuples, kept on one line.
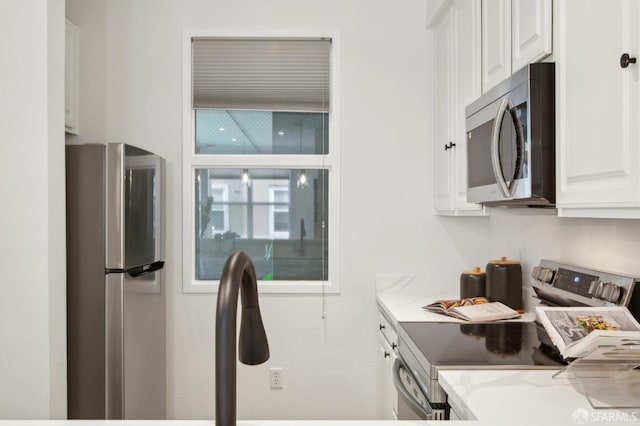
[(498, 172), (397, 365)]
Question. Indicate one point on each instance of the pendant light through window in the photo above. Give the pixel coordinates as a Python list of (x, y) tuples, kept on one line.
[(303, 182), (244, 178)]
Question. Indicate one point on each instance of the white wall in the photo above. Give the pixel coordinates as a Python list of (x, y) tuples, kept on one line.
[(328, 363), (386, 192), (602, 244), (32, 306), (387, 221)]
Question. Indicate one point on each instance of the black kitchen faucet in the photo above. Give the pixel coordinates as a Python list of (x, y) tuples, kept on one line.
[(238, 275)]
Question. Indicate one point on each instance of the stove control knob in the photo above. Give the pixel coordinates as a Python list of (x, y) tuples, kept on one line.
[(542, 274), (611, 292), (596, 288), (535, 273), (546, 275)]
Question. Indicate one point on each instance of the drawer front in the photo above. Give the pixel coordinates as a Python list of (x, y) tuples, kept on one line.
[(387, 332)]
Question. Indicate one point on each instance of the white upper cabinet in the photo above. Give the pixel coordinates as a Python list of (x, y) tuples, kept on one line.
[(531, 31), (71, 79), (514, 34), (496, 42), (598, 125), (467, 89), (443, 110), (456, 83)]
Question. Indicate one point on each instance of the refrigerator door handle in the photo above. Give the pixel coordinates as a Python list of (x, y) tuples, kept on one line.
[(138, 271)]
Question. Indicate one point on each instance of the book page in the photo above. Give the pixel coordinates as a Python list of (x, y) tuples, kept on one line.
[(569, 325), (444, 306), (624, 353), (484, 312), (612, 343)]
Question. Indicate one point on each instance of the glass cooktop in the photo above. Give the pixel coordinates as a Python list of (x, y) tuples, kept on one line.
[(489, 345)]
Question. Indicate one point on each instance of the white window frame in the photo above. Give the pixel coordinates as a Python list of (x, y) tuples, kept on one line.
[(273, 209), (330, 162)]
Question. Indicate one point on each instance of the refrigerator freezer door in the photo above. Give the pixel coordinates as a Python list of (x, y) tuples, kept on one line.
[(136, 361), (134, 207), (143, 209)]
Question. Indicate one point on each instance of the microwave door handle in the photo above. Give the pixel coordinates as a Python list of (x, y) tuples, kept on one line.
[(495, 155), (517, 122)]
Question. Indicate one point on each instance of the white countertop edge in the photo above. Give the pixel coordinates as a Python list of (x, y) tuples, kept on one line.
[(239, 423)]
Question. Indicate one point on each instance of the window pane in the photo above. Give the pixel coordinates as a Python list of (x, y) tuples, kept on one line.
[(281, 196), (217, 222), (281, 221), (278, 224), (260, 132)]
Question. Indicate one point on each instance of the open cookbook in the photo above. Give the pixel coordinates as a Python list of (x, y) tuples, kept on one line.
[(579, 331), (473, 309)]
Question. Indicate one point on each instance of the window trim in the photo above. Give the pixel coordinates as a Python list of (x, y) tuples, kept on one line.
[(330, 162), (273, 210)]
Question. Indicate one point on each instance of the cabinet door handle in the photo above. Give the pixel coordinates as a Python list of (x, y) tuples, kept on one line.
[(381, 326), (625, 60), (449, 146)]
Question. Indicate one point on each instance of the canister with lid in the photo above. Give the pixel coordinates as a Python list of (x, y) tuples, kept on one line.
[(472, 283), (504, 282)]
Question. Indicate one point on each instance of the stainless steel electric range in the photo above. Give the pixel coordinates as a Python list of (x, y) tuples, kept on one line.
[(426, 348)]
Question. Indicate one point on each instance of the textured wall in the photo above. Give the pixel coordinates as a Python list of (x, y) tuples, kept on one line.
[(32, 306)]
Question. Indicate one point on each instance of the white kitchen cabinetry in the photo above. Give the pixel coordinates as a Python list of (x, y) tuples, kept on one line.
[(531, 31), (514, 34), (71, 79), (496, 42), (598, 126), (388, 396), (456, 83)]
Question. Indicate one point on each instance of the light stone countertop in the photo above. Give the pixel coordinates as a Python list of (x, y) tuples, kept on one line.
[(401, 298), (514, 395)]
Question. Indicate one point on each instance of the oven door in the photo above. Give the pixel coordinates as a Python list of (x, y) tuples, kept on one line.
[(497, 150), (412, 401)]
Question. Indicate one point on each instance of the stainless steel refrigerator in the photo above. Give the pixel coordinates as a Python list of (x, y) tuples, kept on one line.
[(115, 287)]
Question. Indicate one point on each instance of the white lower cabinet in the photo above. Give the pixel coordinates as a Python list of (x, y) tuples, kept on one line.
[(456, 83), (387, 394), (598, 125)]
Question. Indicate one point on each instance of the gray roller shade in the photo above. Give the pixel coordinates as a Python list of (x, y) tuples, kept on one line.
[(261, 74)]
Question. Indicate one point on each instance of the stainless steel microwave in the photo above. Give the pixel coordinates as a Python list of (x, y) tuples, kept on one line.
[(511, 141)]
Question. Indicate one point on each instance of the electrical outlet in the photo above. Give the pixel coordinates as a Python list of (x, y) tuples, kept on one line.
[(276, 378)]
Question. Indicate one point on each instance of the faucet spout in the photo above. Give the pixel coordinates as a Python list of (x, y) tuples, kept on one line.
[(238, 275)]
